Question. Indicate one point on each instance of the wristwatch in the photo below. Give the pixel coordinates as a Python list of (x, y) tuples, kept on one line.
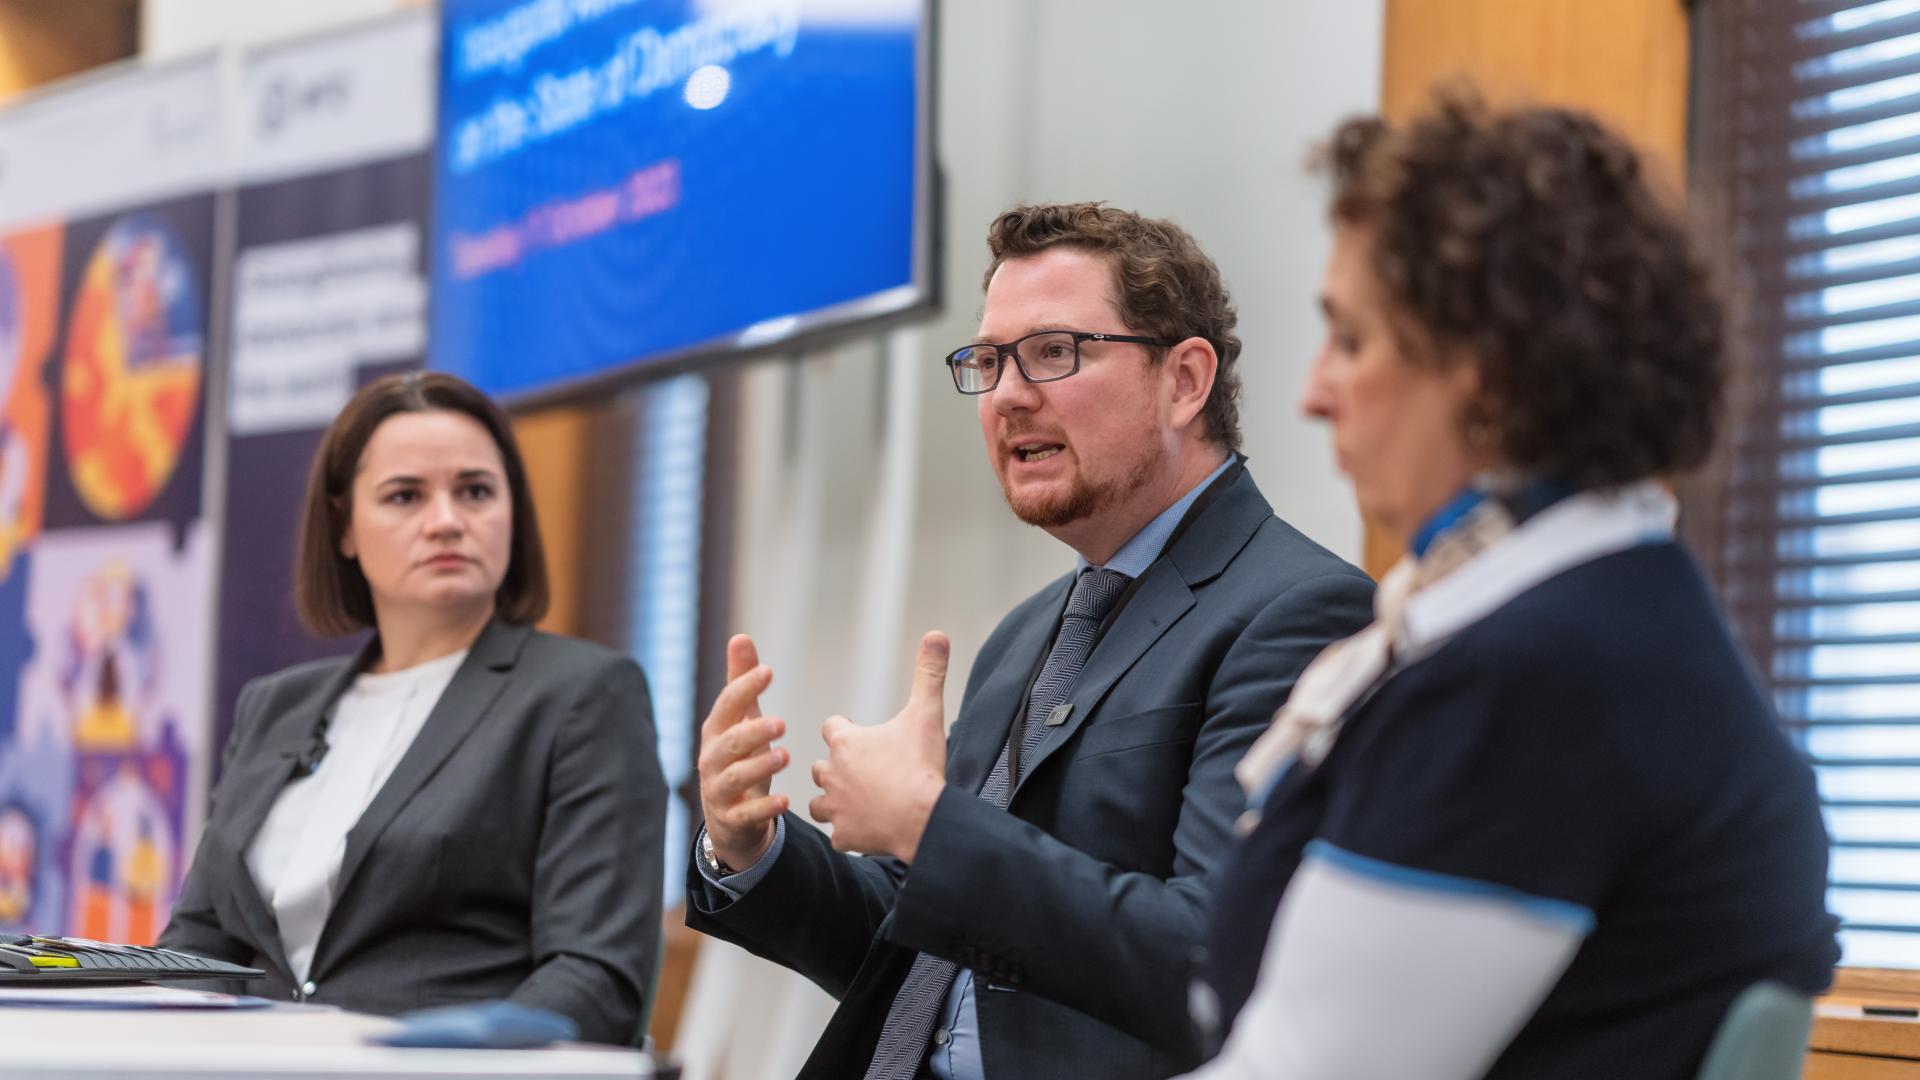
[(714, 865)]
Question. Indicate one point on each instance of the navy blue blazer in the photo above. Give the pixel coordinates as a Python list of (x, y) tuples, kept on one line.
[(1079, 906), (515, 852), (1598, 741)]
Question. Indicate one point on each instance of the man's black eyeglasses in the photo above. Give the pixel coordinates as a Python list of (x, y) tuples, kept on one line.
[(1047, 356)]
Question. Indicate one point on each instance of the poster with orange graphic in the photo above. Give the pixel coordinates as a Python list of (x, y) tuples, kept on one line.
[(129, 381), (29, 308), (29, 311)]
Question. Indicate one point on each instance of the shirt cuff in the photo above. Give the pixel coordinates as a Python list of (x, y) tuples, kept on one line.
[(741, 882)]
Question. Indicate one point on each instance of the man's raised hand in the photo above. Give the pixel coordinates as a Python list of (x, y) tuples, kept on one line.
[(878, 784), (738, 761)]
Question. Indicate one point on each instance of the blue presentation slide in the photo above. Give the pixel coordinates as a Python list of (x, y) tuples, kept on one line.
[(625, 180)]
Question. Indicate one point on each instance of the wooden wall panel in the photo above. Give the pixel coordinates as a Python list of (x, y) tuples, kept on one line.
[(556, 444), (1626, 60), (44, 40)]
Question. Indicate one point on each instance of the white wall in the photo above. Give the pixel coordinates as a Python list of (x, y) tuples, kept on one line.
[(868, 513), (170, 28), (1204, 112)]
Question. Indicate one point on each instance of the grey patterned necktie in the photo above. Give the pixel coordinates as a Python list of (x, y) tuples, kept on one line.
[(903, 1041)]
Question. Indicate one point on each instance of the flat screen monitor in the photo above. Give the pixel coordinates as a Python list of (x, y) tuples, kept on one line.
[(628, 186)]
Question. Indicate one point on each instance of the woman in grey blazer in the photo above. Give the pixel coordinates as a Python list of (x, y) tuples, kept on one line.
[(469, 808)]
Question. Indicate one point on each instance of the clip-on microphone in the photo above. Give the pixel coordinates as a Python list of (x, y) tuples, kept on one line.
[(306, 761)]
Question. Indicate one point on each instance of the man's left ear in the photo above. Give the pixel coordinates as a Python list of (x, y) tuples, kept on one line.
[(1191, 366)]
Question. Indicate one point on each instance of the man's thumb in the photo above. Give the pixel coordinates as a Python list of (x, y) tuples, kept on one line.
[(930, 675)]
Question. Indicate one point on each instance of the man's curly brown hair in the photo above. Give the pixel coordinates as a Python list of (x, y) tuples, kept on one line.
[(1530, 241), (1166, 287)]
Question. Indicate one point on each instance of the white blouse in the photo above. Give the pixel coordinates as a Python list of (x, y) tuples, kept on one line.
[(295, 857)]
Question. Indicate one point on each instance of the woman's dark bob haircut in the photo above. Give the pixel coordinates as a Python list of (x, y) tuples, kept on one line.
[(329, 591), (1529, 242)]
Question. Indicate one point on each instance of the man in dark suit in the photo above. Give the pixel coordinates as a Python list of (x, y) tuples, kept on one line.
[(1033, 885)]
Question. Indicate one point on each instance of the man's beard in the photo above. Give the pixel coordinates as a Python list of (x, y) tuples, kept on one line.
[(1082, 499)]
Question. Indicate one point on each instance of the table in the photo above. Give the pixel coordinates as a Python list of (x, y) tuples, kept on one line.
[(300, 1042), (1849, 1045)]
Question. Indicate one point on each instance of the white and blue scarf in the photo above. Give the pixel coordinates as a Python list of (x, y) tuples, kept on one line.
[(1494, 542)]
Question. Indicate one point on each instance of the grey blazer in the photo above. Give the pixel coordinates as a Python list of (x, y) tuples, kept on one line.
[(1080, 906), (515, 852)]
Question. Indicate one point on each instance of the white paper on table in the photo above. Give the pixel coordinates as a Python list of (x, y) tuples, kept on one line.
[(121, 997)]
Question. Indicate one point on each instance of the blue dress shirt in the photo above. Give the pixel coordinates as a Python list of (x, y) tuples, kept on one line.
[(957, 1055)]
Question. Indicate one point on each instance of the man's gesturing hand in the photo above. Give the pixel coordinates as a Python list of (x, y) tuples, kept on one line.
[(738, 760), (879, 783)]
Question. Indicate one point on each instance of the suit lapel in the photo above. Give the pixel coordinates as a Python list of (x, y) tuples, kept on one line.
[(988, 715), (255, 787), (484, 673), (1199, 553), (1203, 550)]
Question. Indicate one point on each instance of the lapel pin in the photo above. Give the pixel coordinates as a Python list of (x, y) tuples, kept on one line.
[(1059, 713)]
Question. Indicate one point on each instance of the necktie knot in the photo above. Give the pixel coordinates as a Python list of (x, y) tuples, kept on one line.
[(1094, 593)]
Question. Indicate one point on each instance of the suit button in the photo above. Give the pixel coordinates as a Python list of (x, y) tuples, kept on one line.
[(308, 989)]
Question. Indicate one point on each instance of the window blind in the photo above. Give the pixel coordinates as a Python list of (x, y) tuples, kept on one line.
[(1807, 136), (667, 504)]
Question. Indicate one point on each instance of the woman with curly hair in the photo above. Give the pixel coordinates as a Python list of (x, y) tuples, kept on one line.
[(1538, 819)]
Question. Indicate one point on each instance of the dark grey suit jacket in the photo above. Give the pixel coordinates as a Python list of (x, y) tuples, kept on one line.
[(1080, 906), (515, 852)]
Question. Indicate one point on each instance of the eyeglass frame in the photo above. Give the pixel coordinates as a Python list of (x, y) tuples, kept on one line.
[(1012, 348)]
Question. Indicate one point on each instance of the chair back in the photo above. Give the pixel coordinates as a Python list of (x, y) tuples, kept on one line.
[(642, 1037), (1764, 1036)]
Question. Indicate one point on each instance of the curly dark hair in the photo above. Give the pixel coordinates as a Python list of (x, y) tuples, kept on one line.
[(1166, 286), (1531, 241)]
